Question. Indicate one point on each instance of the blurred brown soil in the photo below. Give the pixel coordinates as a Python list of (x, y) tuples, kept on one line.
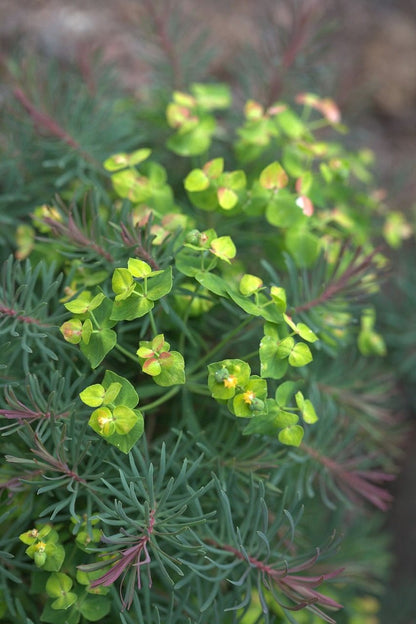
[(370, 55)]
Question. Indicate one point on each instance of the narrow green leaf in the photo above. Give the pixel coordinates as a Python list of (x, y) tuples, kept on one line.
[(213, 283), (243, 302)]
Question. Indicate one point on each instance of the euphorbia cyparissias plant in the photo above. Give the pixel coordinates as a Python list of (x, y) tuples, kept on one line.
[(227, 303)]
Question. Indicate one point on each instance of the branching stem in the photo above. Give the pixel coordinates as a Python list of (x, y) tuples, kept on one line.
[(127, 353), (42, 120), (5, 311)]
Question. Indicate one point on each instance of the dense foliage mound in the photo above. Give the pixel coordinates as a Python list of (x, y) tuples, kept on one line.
[(197, 420)]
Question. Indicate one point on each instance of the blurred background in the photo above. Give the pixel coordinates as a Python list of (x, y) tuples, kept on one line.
[(361, 53)]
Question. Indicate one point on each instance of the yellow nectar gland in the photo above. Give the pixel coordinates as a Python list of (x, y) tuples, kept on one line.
[(230, 381), (249, 397), (103, 420), (34, 533), (40, 547)]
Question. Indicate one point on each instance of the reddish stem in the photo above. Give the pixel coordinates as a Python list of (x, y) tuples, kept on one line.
[(130, 557), (14, 484), (165, 41), (42, 120), (139, 251), (4, 311), (338, 285), (299, 589), (360, 482), (298, 38), (75, 235)]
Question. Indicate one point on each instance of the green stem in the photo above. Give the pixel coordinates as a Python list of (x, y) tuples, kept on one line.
[(91, 313), (306, 113), (152, 323), (317, 125), (197, 388), (249, 355), (185, 320), (220, 345), (127, 353), (161, 399)]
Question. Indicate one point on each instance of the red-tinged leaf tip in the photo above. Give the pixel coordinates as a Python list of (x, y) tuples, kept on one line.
[(305, 205)]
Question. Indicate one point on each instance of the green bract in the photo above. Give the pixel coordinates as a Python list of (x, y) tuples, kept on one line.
[(121, 161), (306, 408), (249, 284), (250, 400), (273, 177), (189, 114), (58, 586), (165, 366), (44, 548), (115, 419), (225, 377)]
